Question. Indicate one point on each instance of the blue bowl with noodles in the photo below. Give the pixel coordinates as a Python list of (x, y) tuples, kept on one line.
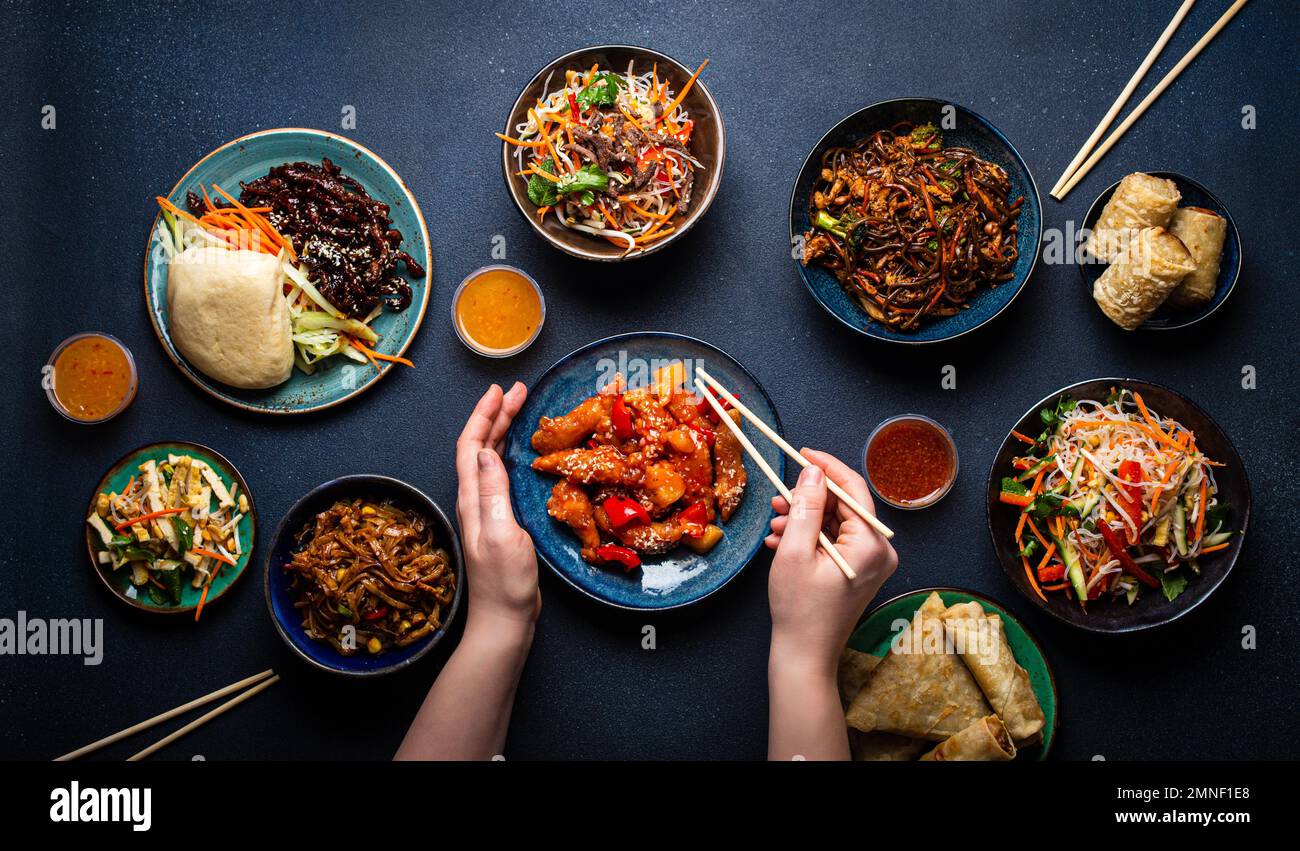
[(247, 158), (962, 128), (677, 578)]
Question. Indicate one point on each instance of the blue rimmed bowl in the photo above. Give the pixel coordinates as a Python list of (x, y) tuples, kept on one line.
[(1169, 318), (675, 579), (248, 158), (972, 131), (280, 599)]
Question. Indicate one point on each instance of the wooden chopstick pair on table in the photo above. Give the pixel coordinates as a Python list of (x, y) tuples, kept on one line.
[(1075, 172), (263, 681), (701, 377)]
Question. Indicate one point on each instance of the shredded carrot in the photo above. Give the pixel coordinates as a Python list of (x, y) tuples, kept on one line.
[(648, 238), (173, 209), (1051, 549), (1020, 527), (1215, 548), (371, 353), (1200, 515), (258, 222), (1146, 415), (532, 169), (520, 142), (1033, 580), (1037, 534), (213, 555), (1018, 436), (144, 518), (198, 610), (628, 116), (672, 107)]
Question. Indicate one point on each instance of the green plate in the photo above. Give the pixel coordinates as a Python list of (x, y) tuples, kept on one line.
[(874, 634), (118, 581)]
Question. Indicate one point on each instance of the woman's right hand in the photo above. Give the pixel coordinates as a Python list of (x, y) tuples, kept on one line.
[(814, 607)]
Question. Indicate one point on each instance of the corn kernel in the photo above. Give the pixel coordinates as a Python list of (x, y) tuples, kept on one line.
[(243, 503), (374, 646), (367, 510)]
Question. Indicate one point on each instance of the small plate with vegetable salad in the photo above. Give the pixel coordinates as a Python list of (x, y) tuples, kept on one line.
[(1117, 505), (170, 527)]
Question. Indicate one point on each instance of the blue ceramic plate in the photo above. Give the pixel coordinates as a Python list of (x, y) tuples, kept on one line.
[(248, 158), (279, 600), (677, 578), (1194, 195), (971, 131)]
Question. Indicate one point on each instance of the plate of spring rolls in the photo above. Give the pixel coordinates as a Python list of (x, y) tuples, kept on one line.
[(946, 675), (1162, 252)]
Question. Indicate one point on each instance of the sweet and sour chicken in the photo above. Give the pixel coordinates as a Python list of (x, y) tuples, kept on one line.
[(641, 471)]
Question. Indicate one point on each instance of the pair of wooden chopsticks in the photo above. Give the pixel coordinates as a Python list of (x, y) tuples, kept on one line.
[(1075, 172), (264, 680), (857, 507)]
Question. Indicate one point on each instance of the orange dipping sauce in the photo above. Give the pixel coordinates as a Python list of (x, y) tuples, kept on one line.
[(911, 462), (498, 311), (93, 379)]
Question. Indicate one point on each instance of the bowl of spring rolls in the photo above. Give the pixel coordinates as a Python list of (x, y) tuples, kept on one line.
[(946, 675), (1161, 252)]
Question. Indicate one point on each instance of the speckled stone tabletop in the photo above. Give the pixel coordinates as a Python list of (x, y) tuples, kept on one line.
[(141, 91)]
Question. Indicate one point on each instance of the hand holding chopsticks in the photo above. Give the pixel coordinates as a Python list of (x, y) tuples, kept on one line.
[(771, 434), (263, 680)]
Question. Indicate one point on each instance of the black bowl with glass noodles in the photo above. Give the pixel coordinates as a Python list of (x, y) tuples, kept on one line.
[(364, 575), (613, 152)]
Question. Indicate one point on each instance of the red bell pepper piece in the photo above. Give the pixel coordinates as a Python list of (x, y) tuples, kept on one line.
[(709, 435), (375, 614), (706, 410), (1022, 463), (1125, 560), (614, 554), (621, 419), (1131, 471), (573, 106), (1053, 572), (622, 510), (694, 517)]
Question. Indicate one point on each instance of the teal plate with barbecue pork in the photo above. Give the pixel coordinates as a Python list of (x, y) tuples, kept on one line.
[(679, 575), (334, 378), (925, 210), (144, 569)]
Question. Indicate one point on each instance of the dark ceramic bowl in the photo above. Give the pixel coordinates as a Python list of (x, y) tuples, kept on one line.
[(1194, 195), (971, 131), (1151, 609), (677, 578), (708, 145), (279, 600)]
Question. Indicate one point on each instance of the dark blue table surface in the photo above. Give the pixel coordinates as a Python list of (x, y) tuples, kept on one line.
[(143, 90)]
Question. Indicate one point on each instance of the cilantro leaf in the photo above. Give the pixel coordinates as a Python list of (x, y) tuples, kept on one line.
[(540, 190), (1173, 583), (601, 91)]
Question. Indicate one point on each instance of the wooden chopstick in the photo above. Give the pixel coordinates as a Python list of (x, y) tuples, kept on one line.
[(169, 714), (1150, 99), (203, 719), (772, 435), (1124, 95), (772, 476)]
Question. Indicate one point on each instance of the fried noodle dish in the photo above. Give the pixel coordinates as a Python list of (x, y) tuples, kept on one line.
[(374, 567), (912, 228), (641, 471)]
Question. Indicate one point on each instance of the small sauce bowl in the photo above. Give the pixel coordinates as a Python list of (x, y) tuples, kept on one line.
[(99, 410), (910, 462), (465, 334)]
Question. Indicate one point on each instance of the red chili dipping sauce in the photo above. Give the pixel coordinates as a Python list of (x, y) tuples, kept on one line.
[(911, 461)]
